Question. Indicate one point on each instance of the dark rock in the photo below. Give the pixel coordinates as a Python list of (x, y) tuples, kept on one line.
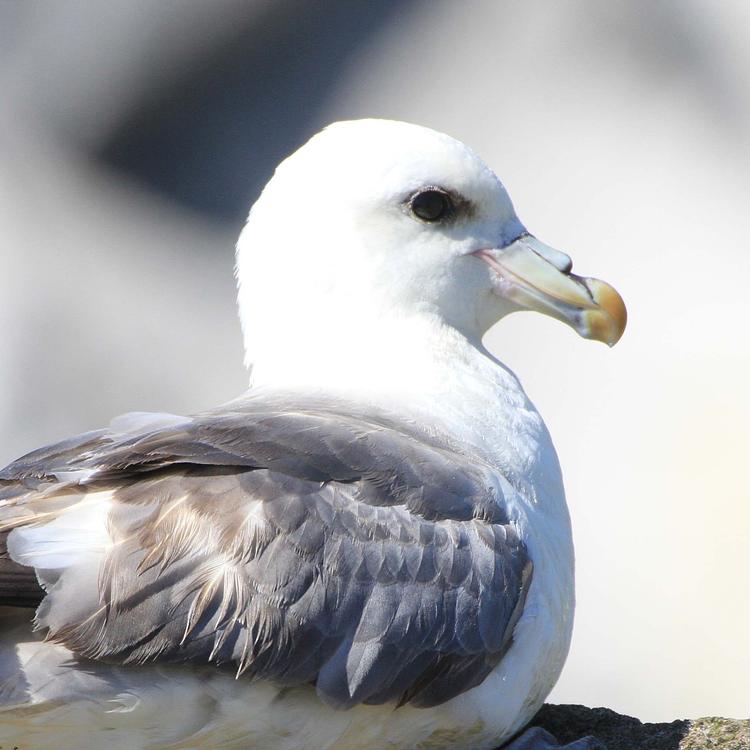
[(618, 732)]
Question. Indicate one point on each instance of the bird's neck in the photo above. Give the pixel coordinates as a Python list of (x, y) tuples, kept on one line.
[(388, 357), (417, 365)]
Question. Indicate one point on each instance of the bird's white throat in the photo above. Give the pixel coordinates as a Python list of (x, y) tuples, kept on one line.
[(379, 357)]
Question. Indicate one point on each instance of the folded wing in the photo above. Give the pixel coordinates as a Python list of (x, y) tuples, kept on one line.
[(297, 541)]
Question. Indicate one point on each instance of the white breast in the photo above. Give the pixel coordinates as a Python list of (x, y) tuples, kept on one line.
[(484, 404)]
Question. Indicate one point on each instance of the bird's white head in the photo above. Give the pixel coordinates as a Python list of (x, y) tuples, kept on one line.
[(377, 231)]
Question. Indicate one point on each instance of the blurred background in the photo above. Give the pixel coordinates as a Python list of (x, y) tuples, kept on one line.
[(134, 136)]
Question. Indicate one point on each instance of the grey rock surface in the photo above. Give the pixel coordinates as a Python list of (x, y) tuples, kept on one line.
[(618, 732)]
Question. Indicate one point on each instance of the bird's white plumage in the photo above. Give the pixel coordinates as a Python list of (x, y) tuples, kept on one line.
[(344, 293)]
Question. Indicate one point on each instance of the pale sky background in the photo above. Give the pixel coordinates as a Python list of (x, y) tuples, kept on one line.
[(134, 135)]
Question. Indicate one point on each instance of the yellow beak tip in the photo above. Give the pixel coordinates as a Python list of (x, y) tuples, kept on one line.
[(607, 322)]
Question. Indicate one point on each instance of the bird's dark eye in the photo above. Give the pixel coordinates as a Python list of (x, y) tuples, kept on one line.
[(431, 204)]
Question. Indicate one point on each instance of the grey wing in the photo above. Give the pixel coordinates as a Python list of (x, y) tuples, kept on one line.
[(299, 545)]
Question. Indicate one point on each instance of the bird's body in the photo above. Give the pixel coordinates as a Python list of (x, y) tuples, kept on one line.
[(378, 542), (209, 708)]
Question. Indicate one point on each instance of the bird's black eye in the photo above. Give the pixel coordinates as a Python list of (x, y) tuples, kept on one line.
[(431, 204)]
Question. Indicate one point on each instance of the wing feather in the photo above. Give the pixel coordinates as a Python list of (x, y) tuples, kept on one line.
[(299, 542)]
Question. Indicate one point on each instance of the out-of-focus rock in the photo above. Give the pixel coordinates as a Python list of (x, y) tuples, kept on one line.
[(713, 732), (618, 732)]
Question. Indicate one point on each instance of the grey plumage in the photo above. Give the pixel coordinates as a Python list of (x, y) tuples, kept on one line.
[(297, 540)]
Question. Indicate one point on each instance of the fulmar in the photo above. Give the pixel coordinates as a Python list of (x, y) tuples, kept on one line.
[(368, 549)]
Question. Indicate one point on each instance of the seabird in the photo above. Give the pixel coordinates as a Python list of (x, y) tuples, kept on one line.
[(368, 549)]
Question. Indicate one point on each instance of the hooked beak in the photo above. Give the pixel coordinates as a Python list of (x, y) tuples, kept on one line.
[(534, 276)]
